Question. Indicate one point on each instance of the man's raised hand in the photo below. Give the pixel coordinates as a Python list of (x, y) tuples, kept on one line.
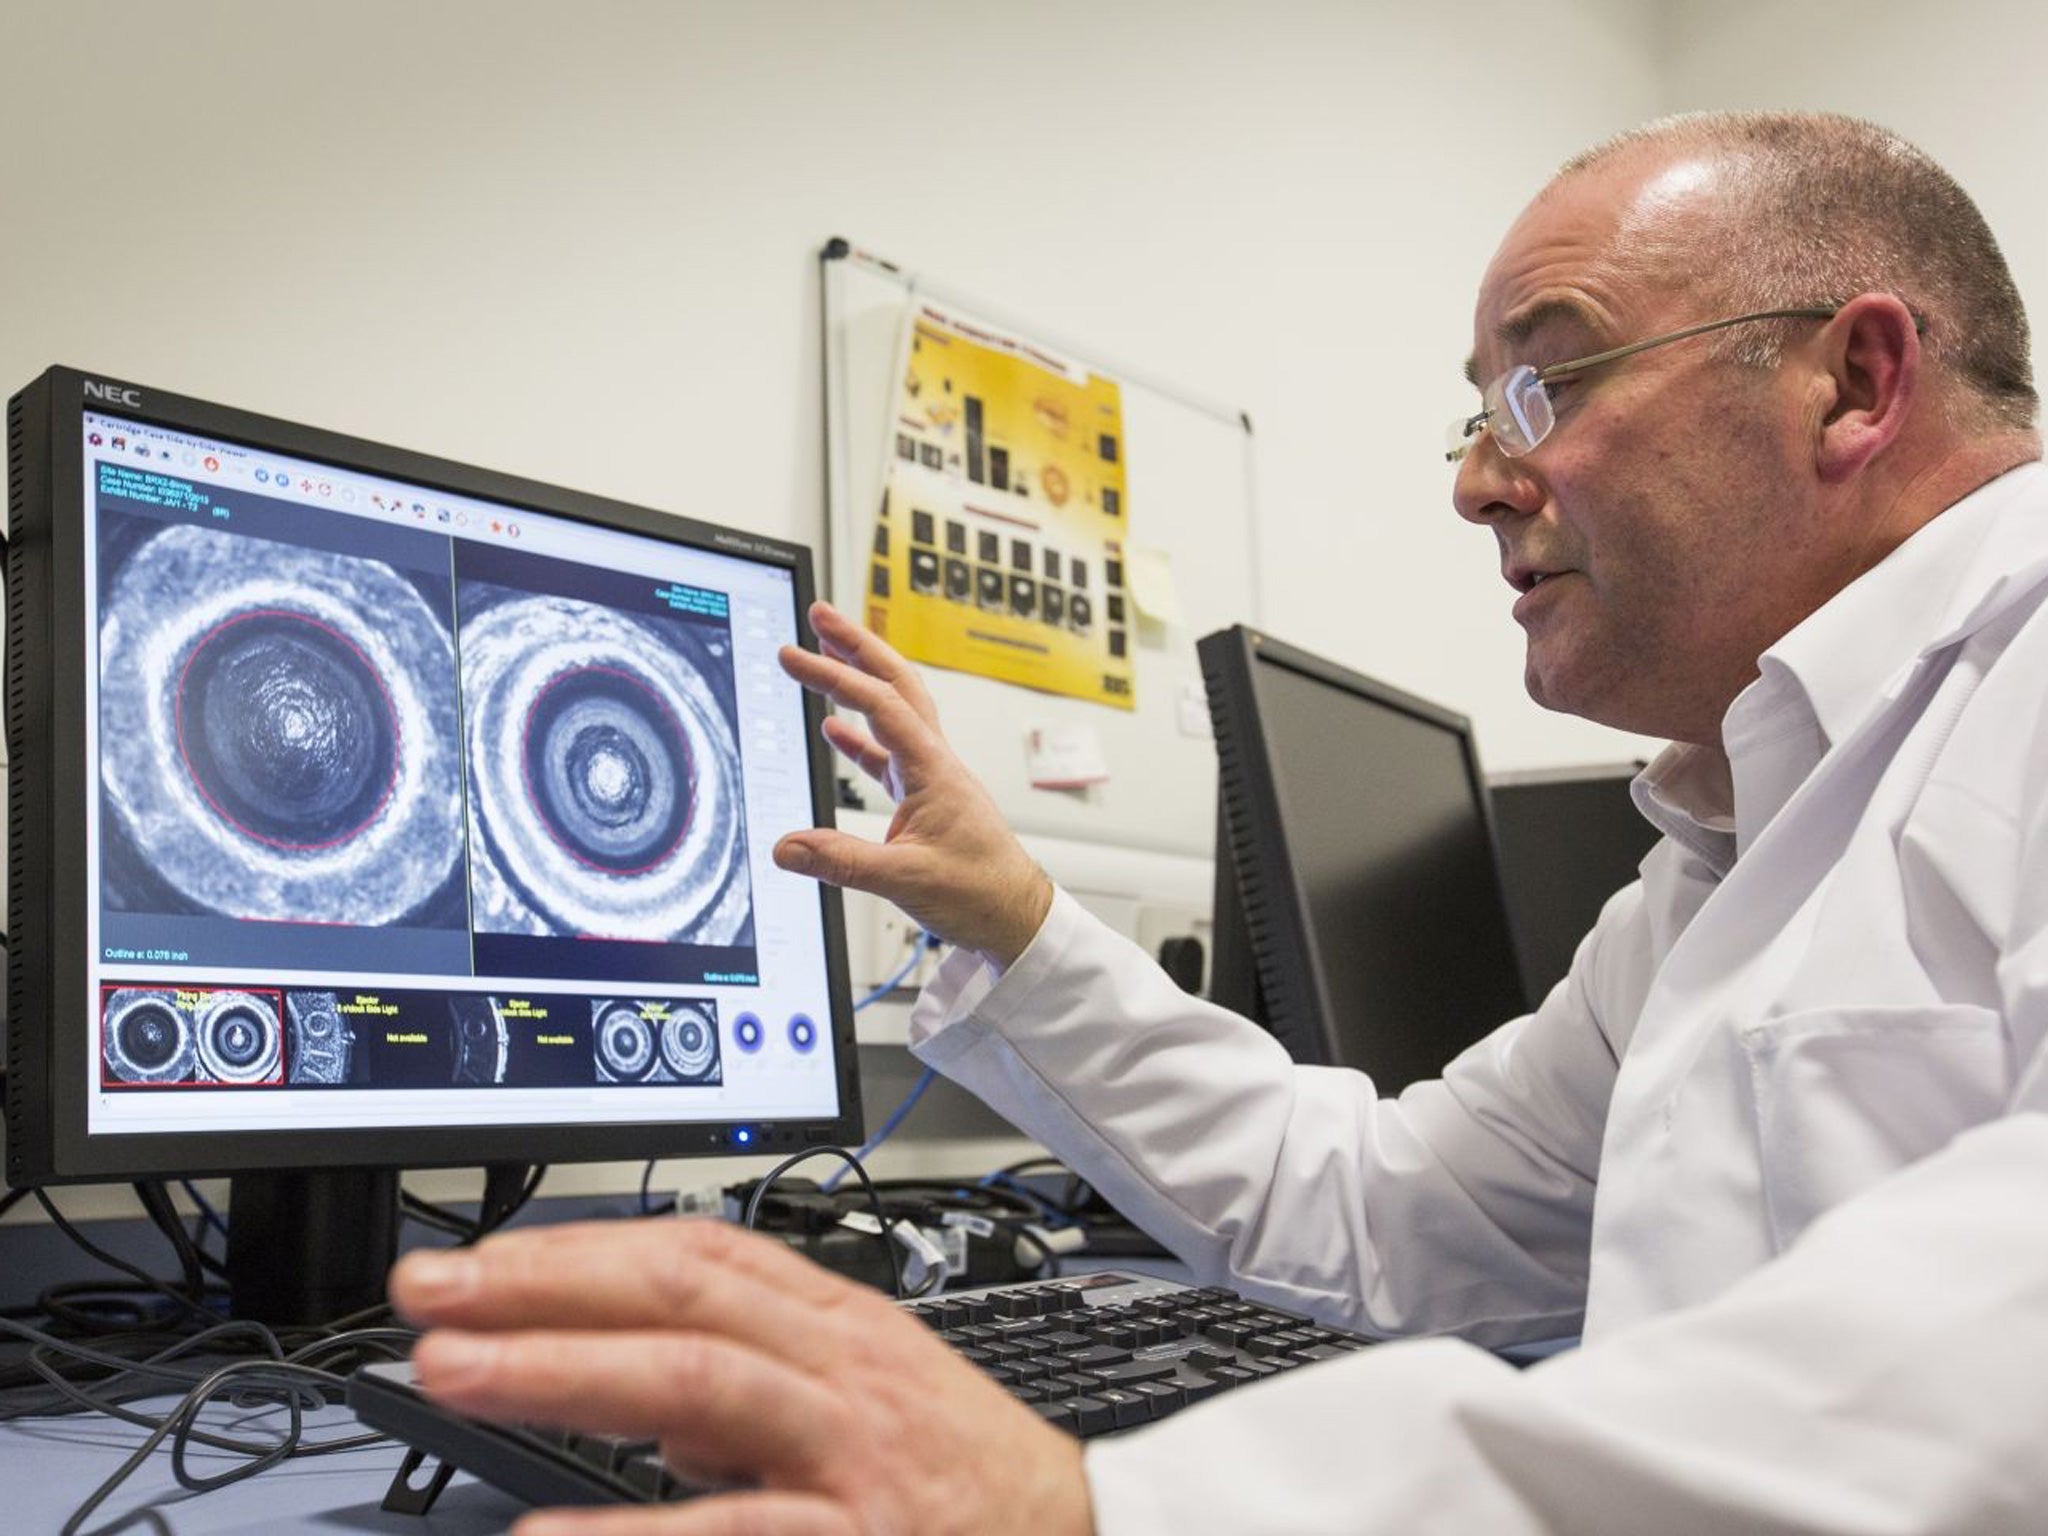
[(949, 859)]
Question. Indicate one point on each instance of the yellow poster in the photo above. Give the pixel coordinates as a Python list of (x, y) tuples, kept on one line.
[(999, 548)]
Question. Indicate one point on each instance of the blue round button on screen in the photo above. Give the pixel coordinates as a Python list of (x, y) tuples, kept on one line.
[(803, 1034), (747, 1033)]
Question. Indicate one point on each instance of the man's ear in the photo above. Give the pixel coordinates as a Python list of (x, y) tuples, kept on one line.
[(1870, 353)]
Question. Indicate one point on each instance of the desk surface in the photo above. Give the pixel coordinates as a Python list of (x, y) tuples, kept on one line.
[(49, 1466)]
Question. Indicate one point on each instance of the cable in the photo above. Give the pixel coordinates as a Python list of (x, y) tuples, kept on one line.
[(1024, 1166), (439, 1217), (647, 1206), (296, 1380), (500, 1203), (208, 1216), (923, 941), (919, 943), (281, 1377), (1049, 1262), (141, 1277), (507, 1189), (1042, 1205), (882, 1217), (156, 1204)]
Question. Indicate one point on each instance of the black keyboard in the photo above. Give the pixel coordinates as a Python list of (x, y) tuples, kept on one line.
[(1092, 1354), (1098, 1353)]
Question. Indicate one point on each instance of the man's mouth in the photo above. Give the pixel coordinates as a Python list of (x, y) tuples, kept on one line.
[(1525, 578)]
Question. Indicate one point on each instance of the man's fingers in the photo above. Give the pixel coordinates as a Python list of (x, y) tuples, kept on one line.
[(873, 655), (839, 858), (733, 1406), (896, 724), (858, 747), (734, 1514), (683, 1274)]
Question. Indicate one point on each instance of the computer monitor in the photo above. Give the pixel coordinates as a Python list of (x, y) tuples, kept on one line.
[(1569, 838), (369, 810), (1359, 910)]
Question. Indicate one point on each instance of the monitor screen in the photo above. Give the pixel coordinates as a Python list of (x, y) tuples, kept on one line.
[(1355, 865), (373, 808)]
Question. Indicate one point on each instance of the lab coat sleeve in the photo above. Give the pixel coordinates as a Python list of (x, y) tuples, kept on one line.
[(1882, 1376), (1462, 1206)]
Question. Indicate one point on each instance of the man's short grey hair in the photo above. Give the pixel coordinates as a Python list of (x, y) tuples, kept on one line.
[(1824, 207)]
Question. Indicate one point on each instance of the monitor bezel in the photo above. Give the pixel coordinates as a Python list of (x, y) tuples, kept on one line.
[(49, 780)]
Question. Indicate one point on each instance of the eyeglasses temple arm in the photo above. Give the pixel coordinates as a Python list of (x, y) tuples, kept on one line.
[(1615, 354)]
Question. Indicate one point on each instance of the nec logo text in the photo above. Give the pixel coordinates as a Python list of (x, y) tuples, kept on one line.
[(115, 393)]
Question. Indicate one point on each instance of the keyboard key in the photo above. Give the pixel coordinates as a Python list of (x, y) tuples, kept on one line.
[(1134, 1371), (1197, 1387), (1322, 1351), (1130, 1408), (1059, 1416), (648, 1477), (1015, 1329), (1164, 1396), (1096, 1355), (1092, 1415), (603, 1452)]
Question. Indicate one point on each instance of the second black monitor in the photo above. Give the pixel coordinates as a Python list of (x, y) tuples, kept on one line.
[(1360, 913)]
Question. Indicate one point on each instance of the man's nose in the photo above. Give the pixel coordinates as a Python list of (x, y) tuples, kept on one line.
[(1490, 485)]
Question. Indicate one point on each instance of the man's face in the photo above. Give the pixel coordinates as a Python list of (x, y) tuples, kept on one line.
[(1654, 538)]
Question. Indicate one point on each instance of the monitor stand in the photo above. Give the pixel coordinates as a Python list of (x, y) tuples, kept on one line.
[(310, 1245)]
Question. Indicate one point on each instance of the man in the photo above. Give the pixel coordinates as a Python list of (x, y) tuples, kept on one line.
[(1758, 450)]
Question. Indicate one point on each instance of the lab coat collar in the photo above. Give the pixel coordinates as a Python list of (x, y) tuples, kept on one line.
[(1943, 584), (1827, 675), (1686, 793)]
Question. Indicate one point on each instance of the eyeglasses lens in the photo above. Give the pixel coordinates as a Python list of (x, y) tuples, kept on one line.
[(1518, 411)]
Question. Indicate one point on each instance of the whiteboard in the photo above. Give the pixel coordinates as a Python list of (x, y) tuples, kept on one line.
[(1189, 478)]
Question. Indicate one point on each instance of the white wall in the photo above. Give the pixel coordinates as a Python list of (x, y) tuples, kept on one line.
[(1963, 79), (578, 242)]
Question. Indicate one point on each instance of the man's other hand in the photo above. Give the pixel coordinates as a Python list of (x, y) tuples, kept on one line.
[(834, 1412), (950, 860)]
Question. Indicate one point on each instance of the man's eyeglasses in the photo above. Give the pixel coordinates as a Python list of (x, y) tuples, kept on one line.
[(1516, 407)]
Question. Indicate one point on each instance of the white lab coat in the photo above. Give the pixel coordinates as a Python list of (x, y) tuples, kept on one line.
[(1778, 1146)]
